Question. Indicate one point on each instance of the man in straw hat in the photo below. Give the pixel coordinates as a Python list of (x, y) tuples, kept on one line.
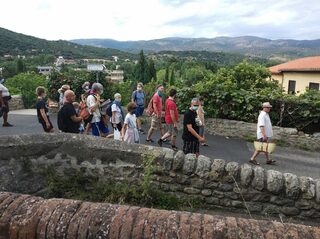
[(264, 132)]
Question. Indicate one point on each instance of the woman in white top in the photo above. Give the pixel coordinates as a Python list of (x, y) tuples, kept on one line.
[(130, 133)]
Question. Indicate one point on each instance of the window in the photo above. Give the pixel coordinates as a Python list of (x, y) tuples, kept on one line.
[(292, 87), (313, 86)]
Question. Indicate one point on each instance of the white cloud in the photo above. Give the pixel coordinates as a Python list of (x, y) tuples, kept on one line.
[(150, 19)]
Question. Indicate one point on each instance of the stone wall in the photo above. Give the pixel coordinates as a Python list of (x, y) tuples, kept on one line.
[(25, 216), (214, 182), (240, 129), (16, 103)]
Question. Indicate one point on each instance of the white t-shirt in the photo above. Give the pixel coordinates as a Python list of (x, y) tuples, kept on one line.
[(117, 110), (91, 101), (5, 91), (131, 120), (264, 120)]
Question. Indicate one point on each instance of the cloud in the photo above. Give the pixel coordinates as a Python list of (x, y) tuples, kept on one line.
[(150, 19)]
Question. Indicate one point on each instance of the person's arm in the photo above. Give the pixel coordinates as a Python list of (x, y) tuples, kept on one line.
[(173, 118), (133, 96), (113, 119), (44, 117), (201, 116), (194, 133), (76, 119), (1, 100), (262, 123), (263, 132), (155, 108), (123, 131)]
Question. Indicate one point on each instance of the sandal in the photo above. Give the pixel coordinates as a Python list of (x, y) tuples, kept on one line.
[(270, 162), (174, 148), (150, 140), (254, 162)]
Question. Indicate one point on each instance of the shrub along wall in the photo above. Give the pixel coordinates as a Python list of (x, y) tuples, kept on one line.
[(25, 163)]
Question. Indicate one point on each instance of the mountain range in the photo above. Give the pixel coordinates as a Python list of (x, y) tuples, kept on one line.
[(12, 43), (246, 45)]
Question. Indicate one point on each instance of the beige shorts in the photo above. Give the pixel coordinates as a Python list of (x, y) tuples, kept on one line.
[(156, 122), (172, 130)]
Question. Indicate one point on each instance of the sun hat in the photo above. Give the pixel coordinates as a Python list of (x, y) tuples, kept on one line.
[(266, 105), (64, 88)]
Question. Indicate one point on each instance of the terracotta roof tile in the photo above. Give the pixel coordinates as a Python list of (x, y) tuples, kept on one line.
[(301, 64)]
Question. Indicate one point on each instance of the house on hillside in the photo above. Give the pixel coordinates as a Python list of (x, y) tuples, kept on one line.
[(116, 76), (298, 75)]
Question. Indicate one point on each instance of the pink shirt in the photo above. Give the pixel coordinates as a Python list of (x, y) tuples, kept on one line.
[(157, 103)]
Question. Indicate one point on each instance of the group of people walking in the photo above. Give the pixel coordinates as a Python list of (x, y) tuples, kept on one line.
[(94, 114)]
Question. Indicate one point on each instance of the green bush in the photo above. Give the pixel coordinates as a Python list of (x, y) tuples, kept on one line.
[(25, 84)]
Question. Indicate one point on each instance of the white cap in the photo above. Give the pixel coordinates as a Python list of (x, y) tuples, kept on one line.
[(266, 105)]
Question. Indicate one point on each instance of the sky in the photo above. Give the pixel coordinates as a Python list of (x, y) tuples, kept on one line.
[(154, 19)]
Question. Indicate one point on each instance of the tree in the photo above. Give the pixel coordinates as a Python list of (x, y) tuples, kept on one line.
[(172, 77), (141, 70), (166, 77), (25, 84), (152, 71), (20, 66)]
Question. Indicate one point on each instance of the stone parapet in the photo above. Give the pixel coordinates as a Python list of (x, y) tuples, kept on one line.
[(25, 216), (215, 182), (16, 103)]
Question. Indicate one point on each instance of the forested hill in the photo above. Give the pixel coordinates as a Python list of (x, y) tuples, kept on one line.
[(247, 45), (13, 43)]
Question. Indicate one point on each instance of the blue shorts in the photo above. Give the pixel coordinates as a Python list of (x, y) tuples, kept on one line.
[(139, 111), (261, 140), (98, 128)]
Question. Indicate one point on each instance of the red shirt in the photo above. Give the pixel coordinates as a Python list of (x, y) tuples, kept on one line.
[(171, 105), (157, 101)]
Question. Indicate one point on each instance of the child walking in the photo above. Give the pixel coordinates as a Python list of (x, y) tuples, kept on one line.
[(42, 110), (129, 132)]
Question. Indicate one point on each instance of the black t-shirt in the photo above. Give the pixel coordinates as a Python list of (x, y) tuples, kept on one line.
[(65, 122), (41, 104), (189, 118)]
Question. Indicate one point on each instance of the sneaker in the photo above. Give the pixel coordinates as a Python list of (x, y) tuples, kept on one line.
[(141, 131), (160, 142), (7, 125), (150, 140)]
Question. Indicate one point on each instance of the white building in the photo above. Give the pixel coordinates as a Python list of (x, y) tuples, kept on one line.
[(45, 70), (116, 76)]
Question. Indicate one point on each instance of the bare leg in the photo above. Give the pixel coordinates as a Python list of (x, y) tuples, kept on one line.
[(88, 127), (267, 156), (139, 123), (173, 140), (149, 133), (166, 135), (255, 154), (5, 118)]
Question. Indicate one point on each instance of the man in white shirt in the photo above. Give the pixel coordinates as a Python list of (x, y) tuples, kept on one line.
[(4, 103), (264, 132)]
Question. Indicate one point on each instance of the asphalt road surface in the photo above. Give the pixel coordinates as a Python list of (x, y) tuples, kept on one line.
[(289, 160)]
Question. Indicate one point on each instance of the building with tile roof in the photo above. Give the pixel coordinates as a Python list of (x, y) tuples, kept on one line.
[(298, 75)]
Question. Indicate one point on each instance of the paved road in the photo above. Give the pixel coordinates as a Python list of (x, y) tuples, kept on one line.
[(301, 163)]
